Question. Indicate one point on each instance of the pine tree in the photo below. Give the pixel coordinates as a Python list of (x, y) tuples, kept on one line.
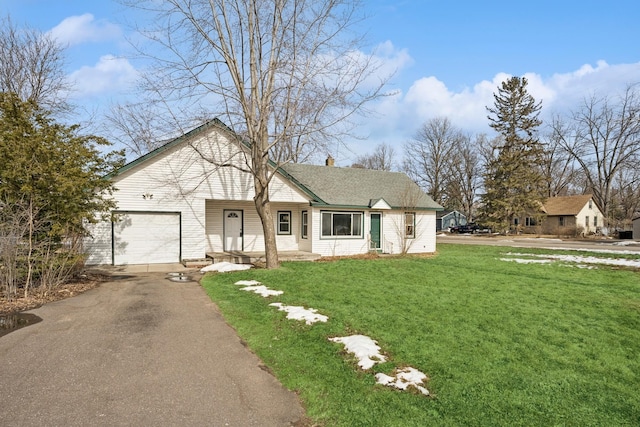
[(514, 182)]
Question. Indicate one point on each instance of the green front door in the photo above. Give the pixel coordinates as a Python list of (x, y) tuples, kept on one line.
[(376, 220)]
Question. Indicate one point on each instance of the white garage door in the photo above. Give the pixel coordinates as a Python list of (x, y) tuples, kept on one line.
[(146, 238)]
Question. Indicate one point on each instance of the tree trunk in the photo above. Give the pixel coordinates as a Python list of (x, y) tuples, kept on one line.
[(263, 207)]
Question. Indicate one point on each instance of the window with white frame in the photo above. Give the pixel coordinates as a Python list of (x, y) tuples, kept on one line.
[(342, 224), (304, 227), (586, 221), (530, 222), (284, 222), (410, 225), (595, 221)]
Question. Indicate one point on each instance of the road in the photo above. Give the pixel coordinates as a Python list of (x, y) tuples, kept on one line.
[(533, 242), (139, 350)]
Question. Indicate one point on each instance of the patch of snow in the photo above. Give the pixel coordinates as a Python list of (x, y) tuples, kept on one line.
[(625, 243), (262, 290), (225, 267), (403, 379), (300, 313), (581, 259), (596, 251), (247, 283), (527, 261), (363, 348)]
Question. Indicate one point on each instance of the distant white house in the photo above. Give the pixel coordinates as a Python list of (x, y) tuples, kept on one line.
[(636, 228), (174, 205)]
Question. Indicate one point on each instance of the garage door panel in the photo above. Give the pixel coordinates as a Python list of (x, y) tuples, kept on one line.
[(147, 238)]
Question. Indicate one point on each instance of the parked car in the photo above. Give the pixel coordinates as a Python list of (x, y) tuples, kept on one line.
[(470, 228)]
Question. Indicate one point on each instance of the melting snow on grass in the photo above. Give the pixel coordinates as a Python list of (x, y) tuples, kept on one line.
[(247, 283), (262, 290), (579, 259), (225, 267), (258, 288), (403, 379), (368, 354), (364, 348), (309, 315), (527, 261)]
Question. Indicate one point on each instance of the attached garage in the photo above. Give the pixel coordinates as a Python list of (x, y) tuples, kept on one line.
[(146, 237)]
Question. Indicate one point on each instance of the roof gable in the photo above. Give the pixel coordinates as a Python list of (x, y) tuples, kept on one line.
[(215, 123), (379, 204), (445, 213), (566, 205)]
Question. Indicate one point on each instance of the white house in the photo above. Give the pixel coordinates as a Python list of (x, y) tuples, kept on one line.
[(636, 228), (174, 204)]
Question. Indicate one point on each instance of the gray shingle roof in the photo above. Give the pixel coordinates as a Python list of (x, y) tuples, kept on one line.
[(355, 187)]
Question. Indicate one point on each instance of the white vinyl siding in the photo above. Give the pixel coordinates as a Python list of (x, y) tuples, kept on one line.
[(392, 239), (175, 181)]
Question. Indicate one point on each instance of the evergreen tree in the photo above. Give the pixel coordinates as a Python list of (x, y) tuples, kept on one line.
[(51, 184), (52, 166), (514, 182)]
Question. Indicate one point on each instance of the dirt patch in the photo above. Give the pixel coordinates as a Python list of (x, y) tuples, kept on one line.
[(79, 285)]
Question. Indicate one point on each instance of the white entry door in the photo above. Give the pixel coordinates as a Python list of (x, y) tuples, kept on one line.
[(232, 231)]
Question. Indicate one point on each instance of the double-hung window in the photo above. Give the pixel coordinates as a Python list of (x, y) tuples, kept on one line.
[(284, 222), (304, 225), (410, 225), (342, 224)]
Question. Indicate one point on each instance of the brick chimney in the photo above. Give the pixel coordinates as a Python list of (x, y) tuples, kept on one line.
[(330, 161)]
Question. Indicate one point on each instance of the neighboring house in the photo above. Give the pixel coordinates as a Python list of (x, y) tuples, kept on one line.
[(447, 219), (567, 213), (174, 205), (636, 228)]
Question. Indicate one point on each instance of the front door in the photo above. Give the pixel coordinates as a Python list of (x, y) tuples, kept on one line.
[(376, 219), (232, 231)]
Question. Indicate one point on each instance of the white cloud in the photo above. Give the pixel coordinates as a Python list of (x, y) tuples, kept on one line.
[(110, 74), (80, 29), (399, 116)]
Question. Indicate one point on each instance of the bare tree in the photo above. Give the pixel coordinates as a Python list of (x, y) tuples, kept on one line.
[(32, 67), (381, 159), (603, 137), (138, 127), (559, 168), (278, 72), (428, 156), (465, 175), (625, 201)]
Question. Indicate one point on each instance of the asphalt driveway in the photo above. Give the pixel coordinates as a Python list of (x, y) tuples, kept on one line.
[(138, 350)]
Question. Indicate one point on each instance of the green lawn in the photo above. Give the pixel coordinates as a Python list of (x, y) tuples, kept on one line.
[(503, 343)]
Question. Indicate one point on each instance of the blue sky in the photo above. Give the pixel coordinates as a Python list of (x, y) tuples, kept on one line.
[(449, 57)]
